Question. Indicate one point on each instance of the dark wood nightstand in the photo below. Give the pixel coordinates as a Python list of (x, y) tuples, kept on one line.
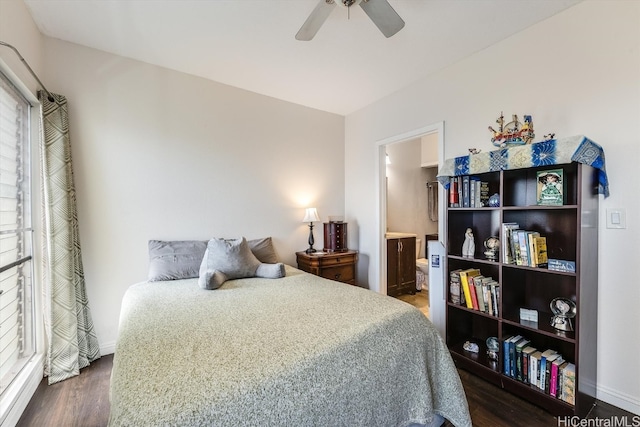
[(339, 266)]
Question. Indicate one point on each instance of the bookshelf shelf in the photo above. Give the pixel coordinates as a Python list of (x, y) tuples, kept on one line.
[(543, 328), (571, 233)]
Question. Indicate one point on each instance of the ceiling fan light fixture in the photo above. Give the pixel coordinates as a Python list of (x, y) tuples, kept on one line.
[(379, 11), (349, 3)]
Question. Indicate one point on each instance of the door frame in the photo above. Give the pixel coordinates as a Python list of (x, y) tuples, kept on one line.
[(381, 175)]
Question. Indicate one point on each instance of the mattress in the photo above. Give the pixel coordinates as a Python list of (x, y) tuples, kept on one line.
[(300, 350)]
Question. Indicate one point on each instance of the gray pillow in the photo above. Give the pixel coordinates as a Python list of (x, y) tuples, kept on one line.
[(227, 259), (178, 259), (263, 250)]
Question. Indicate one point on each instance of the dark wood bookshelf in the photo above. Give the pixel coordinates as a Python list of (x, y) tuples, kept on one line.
[(571, 232)]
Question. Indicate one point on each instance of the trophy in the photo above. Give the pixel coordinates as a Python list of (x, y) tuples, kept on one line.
[(564, 310), (492, 246), (493, 348)]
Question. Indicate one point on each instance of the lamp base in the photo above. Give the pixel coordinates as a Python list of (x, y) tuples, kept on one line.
[(311, 241)]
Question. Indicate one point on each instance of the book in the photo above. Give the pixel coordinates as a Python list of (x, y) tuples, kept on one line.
[(464, 284), (524, 248), (553, 382), (569, 384), (513, 361), (534, 368), (478, 198), (515, 246), (472, 292), (531, 235), (472, 192), (547, 375), (495, 286), (465, 191), (453, 193), (540, 251), (454, 286), (477, 284), (484, 194), (507, 252), (486, 292), (560, 379), (520, 346), (526, 359), (543, 368), (506, 344), (550, 187)]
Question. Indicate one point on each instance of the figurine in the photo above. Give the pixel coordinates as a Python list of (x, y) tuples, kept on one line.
[(469, 245), (549, 136), (471, 346), (474, 151)]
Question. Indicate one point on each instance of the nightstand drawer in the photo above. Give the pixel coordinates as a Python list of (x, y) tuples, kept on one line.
[(344, 273), (340, 266), (337, 260)]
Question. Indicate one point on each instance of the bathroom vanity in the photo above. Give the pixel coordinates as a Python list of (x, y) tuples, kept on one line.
[(401, 263)]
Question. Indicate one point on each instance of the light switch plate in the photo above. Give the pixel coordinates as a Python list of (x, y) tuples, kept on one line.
[(616, 218)]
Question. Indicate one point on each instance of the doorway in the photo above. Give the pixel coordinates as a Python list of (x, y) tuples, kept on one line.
[(403, 196)]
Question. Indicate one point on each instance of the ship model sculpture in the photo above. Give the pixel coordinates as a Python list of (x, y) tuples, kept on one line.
[(514, 132)]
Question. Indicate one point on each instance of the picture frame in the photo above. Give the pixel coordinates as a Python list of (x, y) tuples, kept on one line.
[(550, 187)]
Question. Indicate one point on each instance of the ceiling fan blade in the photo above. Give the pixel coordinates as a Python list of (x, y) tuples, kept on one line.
[(383, 15), (313, 23)]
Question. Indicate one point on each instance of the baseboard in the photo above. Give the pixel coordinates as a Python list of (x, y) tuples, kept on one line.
[(107, 348), (16, 400), (618, 399)]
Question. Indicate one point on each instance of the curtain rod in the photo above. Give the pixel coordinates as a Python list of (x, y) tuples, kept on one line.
[(24, 61)]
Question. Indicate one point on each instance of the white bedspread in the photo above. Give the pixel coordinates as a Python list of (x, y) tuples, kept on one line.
[(296, 351)]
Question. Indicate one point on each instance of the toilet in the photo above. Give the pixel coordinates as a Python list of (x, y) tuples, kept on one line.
[(422, 268)]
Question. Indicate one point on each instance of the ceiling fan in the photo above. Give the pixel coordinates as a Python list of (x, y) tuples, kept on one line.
[(379, 11)]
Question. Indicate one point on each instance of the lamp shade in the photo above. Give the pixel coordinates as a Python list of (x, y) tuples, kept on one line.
[(311, 215)]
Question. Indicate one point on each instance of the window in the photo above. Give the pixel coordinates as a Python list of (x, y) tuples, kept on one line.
[(16, 234)]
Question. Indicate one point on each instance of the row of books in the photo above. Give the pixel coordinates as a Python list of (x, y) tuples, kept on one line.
[(546, 370), (523, 247), (470, 288), (468, 192)]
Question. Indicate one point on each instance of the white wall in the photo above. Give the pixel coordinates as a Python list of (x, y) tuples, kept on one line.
[(164, 155), (575, 73), (407, 191)]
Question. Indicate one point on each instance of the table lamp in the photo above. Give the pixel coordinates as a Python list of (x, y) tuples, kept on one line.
[(311, 215)]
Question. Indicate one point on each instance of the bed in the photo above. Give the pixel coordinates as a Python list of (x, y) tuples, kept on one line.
[(296, 351)]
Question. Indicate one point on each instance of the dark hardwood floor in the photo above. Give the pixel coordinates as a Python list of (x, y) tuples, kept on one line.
[(83, 401)]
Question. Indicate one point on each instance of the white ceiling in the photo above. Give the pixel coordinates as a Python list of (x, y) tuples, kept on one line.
[(250, 44)]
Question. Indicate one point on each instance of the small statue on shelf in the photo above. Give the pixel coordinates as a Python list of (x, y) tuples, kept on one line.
[(469, 245)]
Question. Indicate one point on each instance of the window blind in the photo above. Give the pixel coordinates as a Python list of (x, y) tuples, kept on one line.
[(16, 302)]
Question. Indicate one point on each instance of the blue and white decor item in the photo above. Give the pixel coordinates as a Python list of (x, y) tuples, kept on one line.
[(545, 153)]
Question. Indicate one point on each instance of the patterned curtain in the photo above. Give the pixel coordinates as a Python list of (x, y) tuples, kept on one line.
[(72, 342)]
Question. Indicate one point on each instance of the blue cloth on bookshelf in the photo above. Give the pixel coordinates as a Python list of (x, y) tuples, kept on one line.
[(546, 153)]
